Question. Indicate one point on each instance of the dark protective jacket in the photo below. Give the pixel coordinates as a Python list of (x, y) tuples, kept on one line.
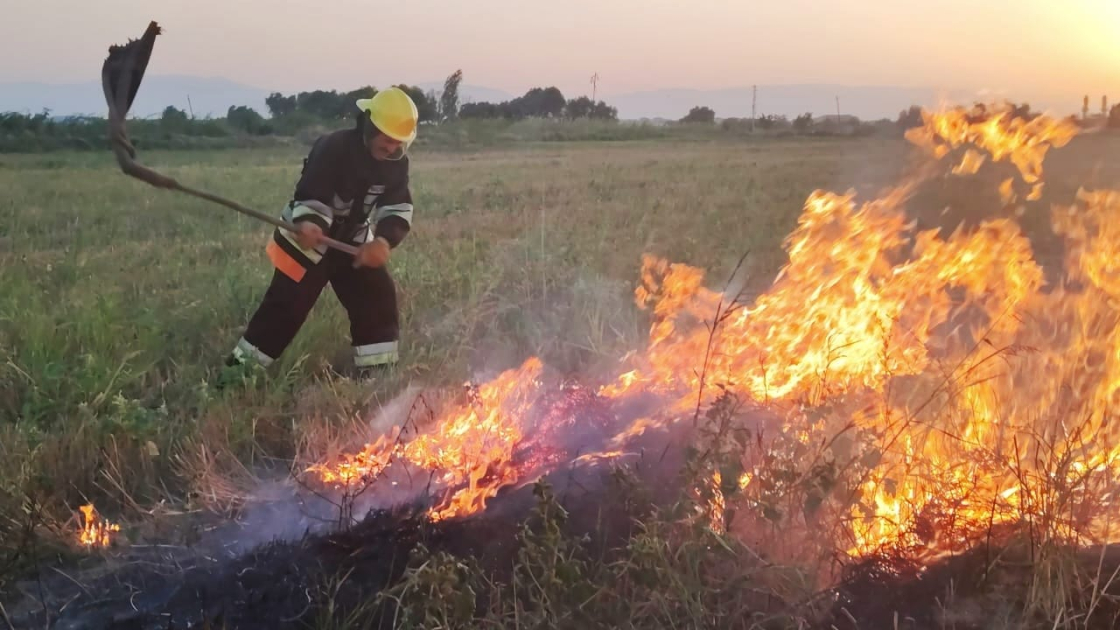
[(352, 196)]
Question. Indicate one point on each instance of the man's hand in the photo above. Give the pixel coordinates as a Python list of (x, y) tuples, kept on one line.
[(309, 235), (373, 254)]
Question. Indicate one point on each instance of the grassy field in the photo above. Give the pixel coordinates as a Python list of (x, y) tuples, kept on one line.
[(119, 302)]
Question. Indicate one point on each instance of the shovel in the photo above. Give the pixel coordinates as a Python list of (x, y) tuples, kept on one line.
[(120, 79)]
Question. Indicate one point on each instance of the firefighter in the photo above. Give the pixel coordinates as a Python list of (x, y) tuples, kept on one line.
[(354, 188)]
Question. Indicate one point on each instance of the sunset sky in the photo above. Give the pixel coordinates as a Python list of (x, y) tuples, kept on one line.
[(1027, 48)]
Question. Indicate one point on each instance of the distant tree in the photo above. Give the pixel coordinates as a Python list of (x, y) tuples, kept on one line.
[(803, 122), (367, 91), (602, 111), (325, 104), (909, 118), (248, 120), (770, 121), (578, 108), (433, 98), (280, 105), (481, 109), (11, 122), (700, 114), (1114, 116), (449, 99), (41, 123), (172, 114), (174, 120), (539, 103), (584, 107)]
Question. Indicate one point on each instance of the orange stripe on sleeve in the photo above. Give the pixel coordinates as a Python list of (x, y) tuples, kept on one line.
[(284, 262)]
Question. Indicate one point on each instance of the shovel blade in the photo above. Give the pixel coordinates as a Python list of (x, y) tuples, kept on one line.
[(123, 71), (121, 75)]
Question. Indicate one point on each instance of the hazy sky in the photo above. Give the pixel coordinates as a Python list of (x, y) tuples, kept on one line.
[(1029, 47)]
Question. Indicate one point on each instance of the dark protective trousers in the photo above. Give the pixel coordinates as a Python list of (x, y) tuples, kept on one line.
[(368, 295)]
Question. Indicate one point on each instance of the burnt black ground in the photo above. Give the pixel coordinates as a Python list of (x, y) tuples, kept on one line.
[(286, 584), (980, 589), (282, 584), (261, 589), (228, 580), (277, 585)]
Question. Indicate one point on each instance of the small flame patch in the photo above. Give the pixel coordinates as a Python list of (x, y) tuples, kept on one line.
[(95, 532)]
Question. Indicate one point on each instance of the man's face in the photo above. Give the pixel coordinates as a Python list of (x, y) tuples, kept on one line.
[(382, 147)]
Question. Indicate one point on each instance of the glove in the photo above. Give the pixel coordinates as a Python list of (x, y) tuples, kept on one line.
[(373, 254), (309, 235)]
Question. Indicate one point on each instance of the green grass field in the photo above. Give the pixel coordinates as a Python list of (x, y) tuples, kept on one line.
[(119, 302)]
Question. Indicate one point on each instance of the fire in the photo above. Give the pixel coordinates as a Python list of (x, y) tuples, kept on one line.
[(936, 368), (362, 467), (1000, 131), (473, 450), (94, 531), (470, 454), (718, 503), (836, 320)]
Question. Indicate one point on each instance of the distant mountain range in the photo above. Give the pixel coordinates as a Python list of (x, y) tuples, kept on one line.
[(212, 96), (865, 102), (205, 96)]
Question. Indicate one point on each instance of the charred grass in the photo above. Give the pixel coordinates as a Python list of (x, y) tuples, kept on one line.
[(118, 304)]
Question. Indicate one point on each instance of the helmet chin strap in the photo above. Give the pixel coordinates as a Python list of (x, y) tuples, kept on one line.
[(369, 130)]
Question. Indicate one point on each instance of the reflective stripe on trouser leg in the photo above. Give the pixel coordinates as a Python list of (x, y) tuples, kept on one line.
[(373, 354), (245, 350)]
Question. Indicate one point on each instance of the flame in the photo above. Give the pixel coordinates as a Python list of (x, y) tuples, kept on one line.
[(970, 163), (362, 467), (94, 531), (718, 503), (470, 453), (1007, 191), (969, 395), (835, 320), (475, 443), (997, 130)]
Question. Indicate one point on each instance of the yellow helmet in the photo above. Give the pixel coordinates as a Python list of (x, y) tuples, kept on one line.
[(393, 113)]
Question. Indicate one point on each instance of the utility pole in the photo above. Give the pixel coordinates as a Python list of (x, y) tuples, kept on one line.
[(189, 106), (1104, 106), (754, 104), (837, 109), (594, 87)]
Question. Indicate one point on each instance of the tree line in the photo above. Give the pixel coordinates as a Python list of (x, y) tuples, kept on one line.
[(832, 124), (538, 102), (305, 113), (288, 115), (541, 103)]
